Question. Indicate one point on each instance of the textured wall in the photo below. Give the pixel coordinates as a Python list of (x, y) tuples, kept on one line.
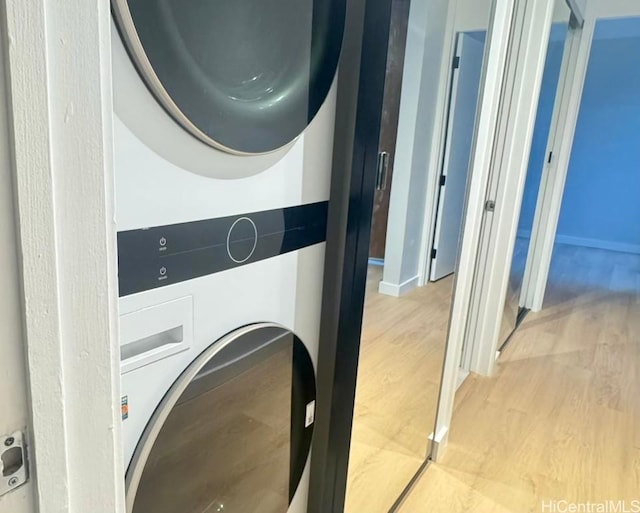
[(14, 411)]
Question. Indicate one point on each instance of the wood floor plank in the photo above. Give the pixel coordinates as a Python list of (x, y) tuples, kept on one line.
[(401, 359), (561, 417)]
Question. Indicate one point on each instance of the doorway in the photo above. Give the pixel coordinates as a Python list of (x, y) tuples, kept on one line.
[(465, 86), (567, 204), (515, 308), (512, 312), (597, 242), (495, 310)]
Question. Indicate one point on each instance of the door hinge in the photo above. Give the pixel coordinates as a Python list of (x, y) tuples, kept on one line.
[(456, 62), (490, 206), (550, 157), (443, 180), (434, 252)]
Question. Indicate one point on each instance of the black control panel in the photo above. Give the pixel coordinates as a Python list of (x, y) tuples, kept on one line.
[(155, 257)]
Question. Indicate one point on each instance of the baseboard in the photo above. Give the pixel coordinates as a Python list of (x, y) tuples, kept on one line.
[(462, 375), (439, 444), (620, 247), (395, 290)]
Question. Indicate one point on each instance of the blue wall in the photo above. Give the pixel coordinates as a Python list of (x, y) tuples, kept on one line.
[(601, 204)]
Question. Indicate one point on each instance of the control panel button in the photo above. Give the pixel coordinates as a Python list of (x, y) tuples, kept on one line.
[(242, 240)]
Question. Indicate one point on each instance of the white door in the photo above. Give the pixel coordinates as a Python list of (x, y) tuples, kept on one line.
[(462, 113), (13, 399)]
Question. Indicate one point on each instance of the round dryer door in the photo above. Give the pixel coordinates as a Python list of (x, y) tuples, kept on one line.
[(245, 76), (233, 433)]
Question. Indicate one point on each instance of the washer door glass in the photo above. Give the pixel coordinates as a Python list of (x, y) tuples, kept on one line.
[(246, 76), (233, 434)]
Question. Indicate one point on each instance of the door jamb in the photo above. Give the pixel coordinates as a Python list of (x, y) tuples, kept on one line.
[(565, 117), (454, 75), (491, 84), (561, 143), (60, 103), (438, 140), (506, 188)]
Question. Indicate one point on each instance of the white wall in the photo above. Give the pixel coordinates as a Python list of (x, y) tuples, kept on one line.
[(582, 5), (421, 94), (14, 409), (472, 15), (613, 8)]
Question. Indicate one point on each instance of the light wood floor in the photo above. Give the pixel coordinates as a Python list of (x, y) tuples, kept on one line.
[(401, 358), (561, 418)]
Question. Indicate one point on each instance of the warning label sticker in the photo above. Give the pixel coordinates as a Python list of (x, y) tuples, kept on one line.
[(124, 407)]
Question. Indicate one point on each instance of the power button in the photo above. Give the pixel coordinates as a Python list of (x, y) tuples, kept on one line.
[(242, 240)]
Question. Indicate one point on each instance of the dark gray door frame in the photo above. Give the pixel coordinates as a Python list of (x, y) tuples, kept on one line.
[(359, 111)]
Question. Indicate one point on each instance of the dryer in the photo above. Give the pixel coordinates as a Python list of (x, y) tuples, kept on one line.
[(224, 115)]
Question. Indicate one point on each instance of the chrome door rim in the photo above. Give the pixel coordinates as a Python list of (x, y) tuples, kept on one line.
[(129, 33), (163, 410), (127, 29)]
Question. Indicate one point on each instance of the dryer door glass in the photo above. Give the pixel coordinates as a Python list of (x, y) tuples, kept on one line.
[(231, 435), (242, 75)]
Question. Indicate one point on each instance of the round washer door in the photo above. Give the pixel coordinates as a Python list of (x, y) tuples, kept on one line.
[(244, 76), (233, 433)]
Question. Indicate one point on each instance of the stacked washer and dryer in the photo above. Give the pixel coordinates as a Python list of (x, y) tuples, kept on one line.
[(224, 118)]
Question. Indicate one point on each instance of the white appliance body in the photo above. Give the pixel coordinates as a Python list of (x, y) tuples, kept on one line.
[(284, 290), (210, 242)]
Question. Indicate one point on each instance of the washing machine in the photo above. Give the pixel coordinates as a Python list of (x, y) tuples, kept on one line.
[(223, 137)]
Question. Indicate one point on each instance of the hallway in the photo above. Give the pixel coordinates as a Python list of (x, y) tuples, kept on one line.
[(561, 418)]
